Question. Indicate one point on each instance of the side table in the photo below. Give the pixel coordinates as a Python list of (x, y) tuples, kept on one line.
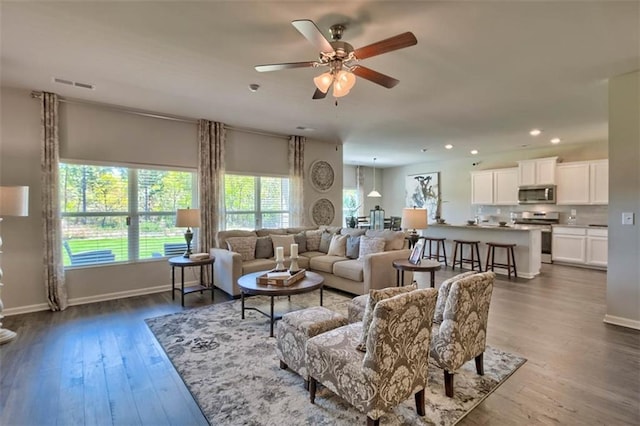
[(425, 265), (184, 262)]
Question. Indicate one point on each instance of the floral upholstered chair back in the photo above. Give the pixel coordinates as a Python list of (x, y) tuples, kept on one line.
[(395, 361), (463, 331)]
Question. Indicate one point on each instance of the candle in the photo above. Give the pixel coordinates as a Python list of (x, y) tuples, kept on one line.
[(279, 253), (294, 250)]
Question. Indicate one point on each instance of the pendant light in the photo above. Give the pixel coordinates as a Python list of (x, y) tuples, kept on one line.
[(373, 192)]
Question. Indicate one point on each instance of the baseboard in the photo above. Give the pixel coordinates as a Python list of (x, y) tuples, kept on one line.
[(93, 299), (623, 322)]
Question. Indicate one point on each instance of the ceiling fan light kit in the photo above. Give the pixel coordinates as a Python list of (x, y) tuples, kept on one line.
[(342, 59)]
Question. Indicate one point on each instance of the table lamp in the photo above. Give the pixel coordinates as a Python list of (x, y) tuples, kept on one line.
[(413, 218), (14, 201), (188, 218)]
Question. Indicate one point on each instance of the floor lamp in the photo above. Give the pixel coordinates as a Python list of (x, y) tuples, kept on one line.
[(14, 201)]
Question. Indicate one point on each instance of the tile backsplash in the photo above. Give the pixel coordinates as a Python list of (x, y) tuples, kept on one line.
[(585, 215)]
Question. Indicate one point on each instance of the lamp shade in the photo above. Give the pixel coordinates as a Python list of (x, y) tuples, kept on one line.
[(14, 201), (413, 218), (188, 218), (323, 81)]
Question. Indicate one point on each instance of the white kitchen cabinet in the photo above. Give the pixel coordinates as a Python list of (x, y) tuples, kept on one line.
[(569, 245), (580, 246), (482, 187), (599, 182), (583, 182), (572, 183), (495, 187), (539, 171), (597, 251), (505, 187)]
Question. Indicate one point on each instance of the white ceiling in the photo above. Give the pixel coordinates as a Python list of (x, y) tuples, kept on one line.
[(481, 75)]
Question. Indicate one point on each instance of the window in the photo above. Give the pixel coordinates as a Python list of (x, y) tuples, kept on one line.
[(117, 214), (254, 202), (350, 204)]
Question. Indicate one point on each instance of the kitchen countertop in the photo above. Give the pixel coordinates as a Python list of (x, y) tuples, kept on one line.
[(590, 226), (491, 227)]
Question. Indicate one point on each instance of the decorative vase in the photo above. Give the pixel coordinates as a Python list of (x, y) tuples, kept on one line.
[(293, 268), (352, 222)]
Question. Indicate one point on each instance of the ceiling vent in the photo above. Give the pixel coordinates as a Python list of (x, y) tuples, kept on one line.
[(74, 83)]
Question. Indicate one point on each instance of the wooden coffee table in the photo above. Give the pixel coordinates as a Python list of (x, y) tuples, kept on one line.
[(248, 285), (425, 265)]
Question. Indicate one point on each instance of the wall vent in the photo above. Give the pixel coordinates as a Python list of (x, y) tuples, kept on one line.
[(74, 83)]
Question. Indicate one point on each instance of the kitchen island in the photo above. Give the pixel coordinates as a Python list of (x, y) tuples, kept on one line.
[(526, 237)]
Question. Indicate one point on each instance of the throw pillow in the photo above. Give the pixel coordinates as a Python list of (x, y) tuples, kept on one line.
[(370, 245), (245, 246), (264, 248), (325, 242), (313, 239), (353, 247), (374, 297), (338, 246), (301, 240), (283, 241)]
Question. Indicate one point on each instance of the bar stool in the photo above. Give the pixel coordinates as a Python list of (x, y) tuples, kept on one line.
[(439, 242), (473, 245), (511, 258)]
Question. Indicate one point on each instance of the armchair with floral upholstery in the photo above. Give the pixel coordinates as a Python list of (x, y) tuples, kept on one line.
[(395, 363), (462, 313)]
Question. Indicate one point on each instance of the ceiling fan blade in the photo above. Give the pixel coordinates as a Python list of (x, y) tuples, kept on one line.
[(319, 94), (375, 76), (310, 31), (284, 66), (388, 45)]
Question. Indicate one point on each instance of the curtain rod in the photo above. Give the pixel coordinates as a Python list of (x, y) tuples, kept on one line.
[(38, 95)]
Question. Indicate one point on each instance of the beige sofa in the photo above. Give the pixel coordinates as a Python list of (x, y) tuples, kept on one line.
[(355, 276)]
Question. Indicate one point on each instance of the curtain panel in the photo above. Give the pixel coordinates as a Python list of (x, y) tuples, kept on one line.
[(54, 280), (211, 141), (296, 180)]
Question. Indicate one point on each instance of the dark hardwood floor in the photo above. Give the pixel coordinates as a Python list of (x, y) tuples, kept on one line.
[(99, 364)]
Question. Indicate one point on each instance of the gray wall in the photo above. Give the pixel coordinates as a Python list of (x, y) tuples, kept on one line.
[(95, 134), (623, 274)]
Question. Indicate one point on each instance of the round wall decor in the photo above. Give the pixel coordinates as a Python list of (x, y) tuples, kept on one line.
[(323, 212), (322, 175)]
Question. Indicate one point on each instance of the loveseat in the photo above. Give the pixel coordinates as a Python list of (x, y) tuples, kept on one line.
[(365, 262)]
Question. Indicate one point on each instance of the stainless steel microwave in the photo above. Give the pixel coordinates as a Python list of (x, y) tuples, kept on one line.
[(537, 194)]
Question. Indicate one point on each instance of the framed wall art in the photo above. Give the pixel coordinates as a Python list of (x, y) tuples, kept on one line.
[(423, 191)]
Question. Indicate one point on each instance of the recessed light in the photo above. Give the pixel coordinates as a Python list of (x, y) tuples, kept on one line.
[(474, 151), (448, 146), (254, 87), (555, 140), (424, 150), (305, 129), (535, 132)]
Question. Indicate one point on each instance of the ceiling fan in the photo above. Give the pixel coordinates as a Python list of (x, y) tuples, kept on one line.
[(342, 59)]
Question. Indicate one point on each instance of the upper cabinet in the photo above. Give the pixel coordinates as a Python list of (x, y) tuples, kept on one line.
[(540, 171), (583, 182), (495, 187)]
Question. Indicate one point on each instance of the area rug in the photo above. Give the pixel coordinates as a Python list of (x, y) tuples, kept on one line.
[(231, 368)]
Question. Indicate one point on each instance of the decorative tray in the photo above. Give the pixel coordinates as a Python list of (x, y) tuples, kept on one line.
[(285, 281)]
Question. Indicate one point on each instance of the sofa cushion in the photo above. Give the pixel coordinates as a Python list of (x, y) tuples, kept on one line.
[(338, 246), (264, 248), (312, 254), (221, 236), (353, 247), (265, 232), (356, 232), (374, 297), (325, 242), (394, 240), (257, 265), (313, 239), (370, 245), (245, 246), (349, 269), (324, 263), (330, 229), (283, 241), (301, 240)]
